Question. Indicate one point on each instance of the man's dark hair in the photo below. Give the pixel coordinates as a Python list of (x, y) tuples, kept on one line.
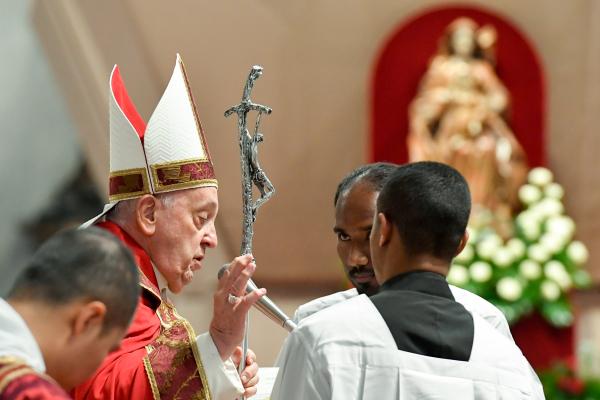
[(429, 203), (375, 174), (89, 264)]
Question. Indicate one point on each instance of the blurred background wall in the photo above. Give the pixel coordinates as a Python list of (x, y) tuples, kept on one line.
[(318, 58), (39, 150)]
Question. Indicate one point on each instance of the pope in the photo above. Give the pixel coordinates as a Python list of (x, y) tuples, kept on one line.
[(163, 205)]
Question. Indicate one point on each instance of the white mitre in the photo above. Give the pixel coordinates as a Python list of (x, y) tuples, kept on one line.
[(168, 154)]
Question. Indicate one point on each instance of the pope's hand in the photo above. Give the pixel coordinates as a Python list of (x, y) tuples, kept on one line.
[(249, 375), (231, 304)]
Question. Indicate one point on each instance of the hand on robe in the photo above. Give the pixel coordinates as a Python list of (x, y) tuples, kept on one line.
[(249, 375), (229, 320)]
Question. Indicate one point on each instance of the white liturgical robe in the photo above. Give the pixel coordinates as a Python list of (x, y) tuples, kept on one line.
[(346, 351), (470, 301), (16, 340)]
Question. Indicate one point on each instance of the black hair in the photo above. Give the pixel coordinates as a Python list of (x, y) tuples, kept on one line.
[(89, 264), (429, 203), (375, 174)]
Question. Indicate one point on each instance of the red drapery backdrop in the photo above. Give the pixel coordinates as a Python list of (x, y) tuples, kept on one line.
[(398, 69)]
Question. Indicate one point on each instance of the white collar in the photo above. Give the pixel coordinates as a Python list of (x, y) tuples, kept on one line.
[(163, 286), (16, 340)]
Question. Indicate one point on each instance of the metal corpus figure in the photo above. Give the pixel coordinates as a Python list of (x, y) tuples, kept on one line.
[(252, 174)]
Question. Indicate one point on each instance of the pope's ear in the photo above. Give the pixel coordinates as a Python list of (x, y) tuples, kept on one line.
[(145, 213), (89, 318), (385, 229), (463, 243)]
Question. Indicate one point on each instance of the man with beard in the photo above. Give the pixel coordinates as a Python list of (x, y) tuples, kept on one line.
[(163, 206), (411, 340), (68, 308), (355, 202)]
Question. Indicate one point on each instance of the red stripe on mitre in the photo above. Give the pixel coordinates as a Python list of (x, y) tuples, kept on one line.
[(119, 91)]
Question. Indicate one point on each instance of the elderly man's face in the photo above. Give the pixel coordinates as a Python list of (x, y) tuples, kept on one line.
[(185, 227), (353, 221)]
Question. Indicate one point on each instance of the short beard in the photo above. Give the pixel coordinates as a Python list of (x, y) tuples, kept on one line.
[(366, 288)]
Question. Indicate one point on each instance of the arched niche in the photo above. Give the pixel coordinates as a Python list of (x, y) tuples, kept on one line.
[(404, 57)]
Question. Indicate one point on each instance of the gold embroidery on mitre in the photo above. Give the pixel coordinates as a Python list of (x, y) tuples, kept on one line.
[(174, 173), (172, 176), (129, 184)]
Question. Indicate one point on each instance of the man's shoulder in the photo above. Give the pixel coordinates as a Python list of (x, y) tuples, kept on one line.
[(473, 302), (348, 321), (19, 381), (322, 303)]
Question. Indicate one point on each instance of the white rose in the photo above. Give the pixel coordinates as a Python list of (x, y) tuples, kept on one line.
[(493, 238), (466, 255), (487, 248), (578, 253), (509, 288), (538, 253), (556, 271), (530, 269), (480, 271), (540, 176), (458, 275), (550, 290), (550, 207), (529, 194), (561, 225), (552, 242), (554, 191), (531, 229), (503, 257), (516, 247), (531, 215)]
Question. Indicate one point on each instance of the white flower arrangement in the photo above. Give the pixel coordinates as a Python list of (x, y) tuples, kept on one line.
[(537, 266)]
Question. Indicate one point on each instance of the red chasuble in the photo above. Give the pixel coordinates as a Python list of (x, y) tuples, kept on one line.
[(18, 381), (158, 357)]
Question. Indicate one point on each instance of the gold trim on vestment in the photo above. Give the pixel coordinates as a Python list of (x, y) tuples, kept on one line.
[(150, 374), (11, 376), (21, 369), (194, 345)]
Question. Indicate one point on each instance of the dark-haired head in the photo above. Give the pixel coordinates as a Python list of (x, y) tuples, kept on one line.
[(428, 204), (355, 200), (88, 264), (374, 174), (77, 296)]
